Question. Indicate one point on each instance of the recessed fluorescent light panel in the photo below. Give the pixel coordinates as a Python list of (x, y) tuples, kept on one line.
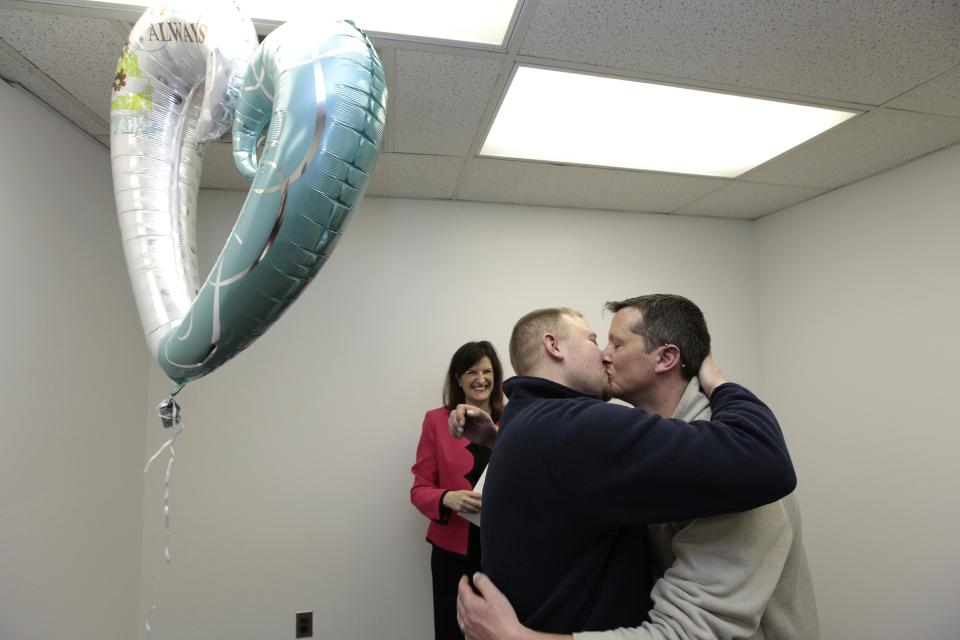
[(574, 118), (483, 22)]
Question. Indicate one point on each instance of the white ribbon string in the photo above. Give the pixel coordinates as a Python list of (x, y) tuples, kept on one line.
[(167, 557)]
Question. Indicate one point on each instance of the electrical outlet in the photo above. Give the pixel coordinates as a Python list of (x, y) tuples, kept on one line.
[(304, 624)]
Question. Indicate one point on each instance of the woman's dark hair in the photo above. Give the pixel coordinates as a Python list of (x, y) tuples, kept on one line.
[(464, 358)]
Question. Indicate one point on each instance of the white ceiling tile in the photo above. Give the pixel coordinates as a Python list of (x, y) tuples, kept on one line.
[(572, 30), (941, 95), (580, 187), (860, 147), (411, 176), (440, 100), (748, 200), (78, 53), (15, 68), (865, 51)]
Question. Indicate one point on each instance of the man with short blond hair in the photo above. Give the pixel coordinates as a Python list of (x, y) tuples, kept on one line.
[(524, 347)]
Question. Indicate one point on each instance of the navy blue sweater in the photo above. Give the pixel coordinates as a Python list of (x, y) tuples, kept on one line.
[(573, 481)]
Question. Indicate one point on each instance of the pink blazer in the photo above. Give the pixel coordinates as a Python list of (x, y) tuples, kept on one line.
[(442, 462)]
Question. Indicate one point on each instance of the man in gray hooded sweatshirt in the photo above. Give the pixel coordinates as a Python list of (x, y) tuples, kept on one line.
[(741, 575)]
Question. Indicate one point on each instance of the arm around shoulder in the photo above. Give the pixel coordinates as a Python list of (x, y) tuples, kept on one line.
[(765, 447), (626, 467), (758, 462)]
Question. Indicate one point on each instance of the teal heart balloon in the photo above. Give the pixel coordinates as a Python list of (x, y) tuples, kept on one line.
[(308, 108)]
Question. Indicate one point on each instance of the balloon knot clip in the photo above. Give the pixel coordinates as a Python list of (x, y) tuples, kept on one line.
[(169, 412)]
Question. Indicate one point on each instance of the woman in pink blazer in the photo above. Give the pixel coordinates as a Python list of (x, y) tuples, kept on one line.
[(445, 473)]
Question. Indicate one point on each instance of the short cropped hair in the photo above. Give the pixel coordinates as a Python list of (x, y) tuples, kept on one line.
[(465, 357), (670, 319), (528, 332)]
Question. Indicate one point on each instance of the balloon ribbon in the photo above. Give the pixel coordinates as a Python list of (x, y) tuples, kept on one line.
[(169, 412)]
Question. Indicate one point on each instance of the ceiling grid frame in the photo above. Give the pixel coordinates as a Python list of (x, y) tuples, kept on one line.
[(925, 105)]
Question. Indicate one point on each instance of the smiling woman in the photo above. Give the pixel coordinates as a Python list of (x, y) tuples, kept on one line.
[(445, 474)]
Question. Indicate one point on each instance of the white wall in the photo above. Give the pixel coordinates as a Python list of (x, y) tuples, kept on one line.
[(859, 317), (291, 481), (72, 389)]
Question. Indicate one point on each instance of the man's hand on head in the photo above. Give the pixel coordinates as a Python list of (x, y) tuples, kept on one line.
[(710, 375), (467, 421)]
